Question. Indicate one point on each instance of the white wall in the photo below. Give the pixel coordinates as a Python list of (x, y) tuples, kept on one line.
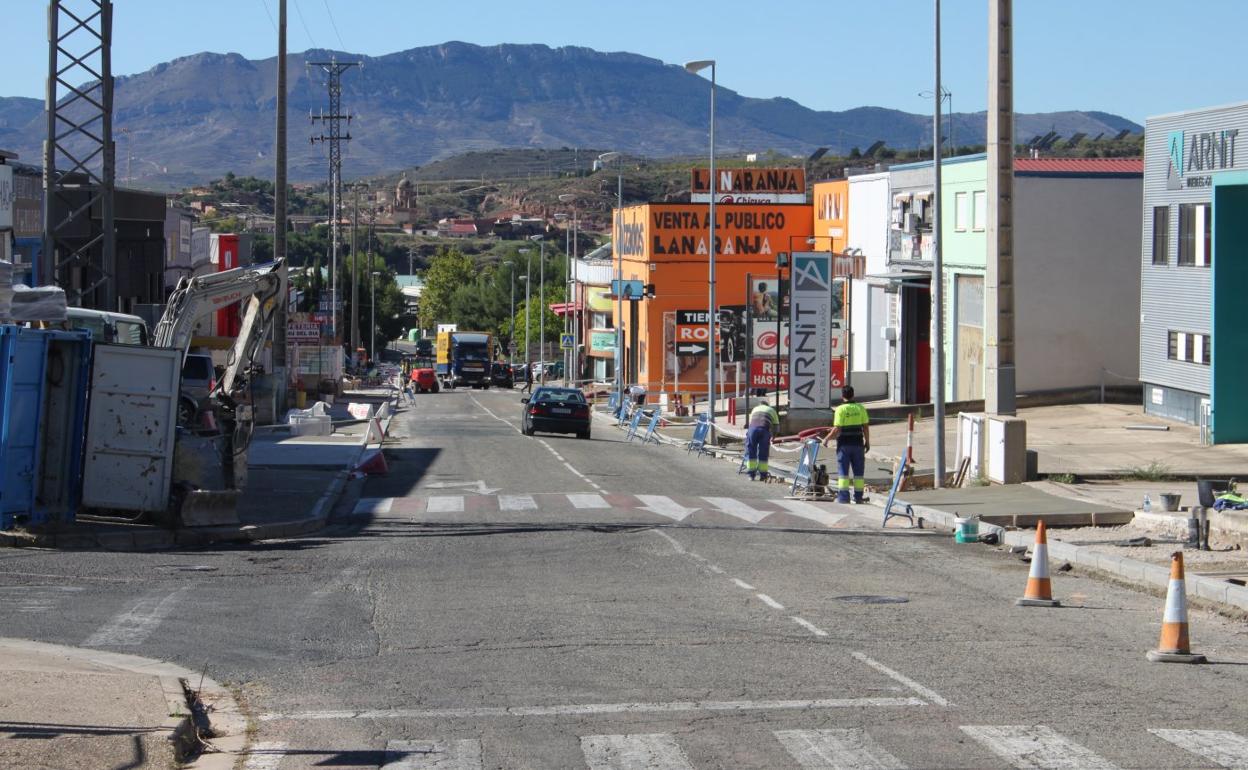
[(869, 208), (1077, 273)]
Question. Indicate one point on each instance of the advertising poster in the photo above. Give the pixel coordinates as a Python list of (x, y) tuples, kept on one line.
[(810, 321)]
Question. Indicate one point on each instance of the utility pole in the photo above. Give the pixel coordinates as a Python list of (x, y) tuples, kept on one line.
[(938, 281), (411, 260), (355, 282), (79, 128), (999, 393), (333, 121), (280, 362)]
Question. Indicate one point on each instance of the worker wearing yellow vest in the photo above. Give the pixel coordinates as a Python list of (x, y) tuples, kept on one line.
[(852, 434), (758, 440)]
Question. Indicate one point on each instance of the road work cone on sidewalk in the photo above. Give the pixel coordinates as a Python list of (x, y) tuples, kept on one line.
[(1039, 589), (1175, 647), (373, 463)]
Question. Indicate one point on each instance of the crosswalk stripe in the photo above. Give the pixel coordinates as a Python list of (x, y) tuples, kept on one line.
[(735, 507), (1221, 747), (445, 504), (516, 503), (373, 505), (588, 501), (664, 506), (433, 755), (1036, 747), (266, 755), (850, 749), (812, 512), (132, 626), (657, 751)]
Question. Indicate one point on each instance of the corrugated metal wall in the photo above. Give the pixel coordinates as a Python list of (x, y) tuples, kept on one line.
[(1173, 297)]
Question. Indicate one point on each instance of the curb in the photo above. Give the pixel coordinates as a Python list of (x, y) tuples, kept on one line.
[(1131, 570), (229, 724)]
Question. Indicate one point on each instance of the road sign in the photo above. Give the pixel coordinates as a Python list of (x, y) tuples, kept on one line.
[(566, 342), (297, 331), (691, 348)]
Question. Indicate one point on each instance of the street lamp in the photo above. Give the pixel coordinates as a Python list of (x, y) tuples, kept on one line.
[(511, 336), (712, 355), (607, 157), (945, 95), (527, 307), (572, 359), (541, 299), (372, 347)]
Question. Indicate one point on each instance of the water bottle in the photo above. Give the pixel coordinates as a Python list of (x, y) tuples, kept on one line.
[(1148, 504)]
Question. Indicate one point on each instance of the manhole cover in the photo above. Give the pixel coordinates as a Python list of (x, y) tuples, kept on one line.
[(867, 599)]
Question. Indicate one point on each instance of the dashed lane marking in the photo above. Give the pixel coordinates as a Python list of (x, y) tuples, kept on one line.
[(902, 679), (806, 624), (770, 602)]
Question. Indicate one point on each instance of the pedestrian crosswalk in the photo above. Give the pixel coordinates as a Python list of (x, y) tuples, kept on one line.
[(1027, 747), (708, 509)]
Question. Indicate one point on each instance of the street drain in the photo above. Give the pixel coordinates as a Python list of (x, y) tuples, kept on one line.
[(867, 599)]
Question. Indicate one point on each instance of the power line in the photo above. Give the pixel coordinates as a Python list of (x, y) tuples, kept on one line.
[(334, 24), (303, 22), (267, 12)]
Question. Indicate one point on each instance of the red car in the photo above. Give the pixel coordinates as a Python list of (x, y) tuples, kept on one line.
[(424, 381)]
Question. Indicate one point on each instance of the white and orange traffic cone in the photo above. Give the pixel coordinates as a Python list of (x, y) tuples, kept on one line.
[(1175, 646), (373, 464), (1039, 588)]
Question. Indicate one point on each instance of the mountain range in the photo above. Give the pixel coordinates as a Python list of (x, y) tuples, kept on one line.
[(197, 117)]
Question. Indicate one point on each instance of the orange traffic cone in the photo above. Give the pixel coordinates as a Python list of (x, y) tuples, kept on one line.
[(373, 464), (1175, 647), (1039, 589)]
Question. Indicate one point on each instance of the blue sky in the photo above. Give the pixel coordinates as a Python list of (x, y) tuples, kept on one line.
[(1131, 57)]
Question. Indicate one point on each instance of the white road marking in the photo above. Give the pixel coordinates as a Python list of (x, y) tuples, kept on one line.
[(581, 709), (657, 751), (735, 507), (508, 423), (715, 569), (588, 501), (516, 503), (373, 505), (676, 546), (266, 755), (568, 465), (34, 599), (132, 627), (447, 504), (479, 486), (902, 679), (806, 624), (433, 755), (1221, 747), (770, 602), (809, 511), (1036, 747), (850, 749), (742, 584), (664, 506)]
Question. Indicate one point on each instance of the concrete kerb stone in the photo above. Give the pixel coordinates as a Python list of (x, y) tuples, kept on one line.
[(227, 720)]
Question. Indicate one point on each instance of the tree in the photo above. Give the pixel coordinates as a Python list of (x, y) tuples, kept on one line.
[(448, 271)]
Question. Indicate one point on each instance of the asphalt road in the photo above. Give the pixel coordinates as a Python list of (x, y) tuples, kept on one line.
[(547, 602)]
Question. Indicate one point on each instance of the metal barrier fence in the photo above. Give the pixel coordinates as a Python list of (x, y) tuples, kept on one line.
[(635, 422), (804, 474), (700, 433)]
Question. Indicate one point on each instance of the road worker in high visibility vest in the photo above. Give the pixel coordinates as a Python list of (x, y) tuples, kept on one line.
[(852, 434), (763, 419)]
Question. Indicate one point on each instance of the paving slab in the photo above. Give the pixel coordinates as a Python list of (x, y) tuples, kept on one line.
[(1017, 505)]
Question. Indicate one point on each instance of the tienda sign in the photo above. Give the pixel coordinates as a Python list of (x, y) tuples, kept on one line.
[(749, 185)]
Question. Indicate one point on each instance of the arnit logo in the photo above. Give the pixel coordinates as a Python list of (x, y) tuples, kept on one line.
[(1190, 162)]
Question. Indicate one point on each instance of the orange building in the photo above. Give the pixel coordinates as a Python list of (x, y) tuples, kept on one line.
[(665, 245), (831, 204)]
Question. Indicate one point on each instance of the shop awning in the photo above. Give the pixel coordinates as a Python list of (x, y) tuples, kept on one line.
[(563, 308), (918, 275)]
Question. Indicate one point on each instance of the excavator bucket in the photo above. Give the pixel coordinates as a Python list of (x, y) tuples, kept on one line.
[(209, 508)]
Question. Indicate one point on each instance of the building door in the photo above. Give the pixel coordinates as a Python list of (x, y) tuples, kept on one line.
[(916, 351), (969, 338)]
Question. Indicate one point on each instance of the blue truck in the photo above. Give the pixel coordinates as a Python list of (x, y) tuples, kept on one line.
[(464, 358)]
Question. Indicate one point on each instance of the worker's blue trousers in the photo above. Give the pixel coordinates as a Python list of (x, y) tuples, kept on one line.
[(850, 459), (757, 451)]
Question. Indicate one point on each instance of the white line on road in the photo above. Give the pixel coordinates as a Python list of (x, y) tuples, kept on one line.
[(808, 511), (1036, 747), (588, 501), (850, 749), (1221, 747), (496, 417), (445, 504), (568, 465), (715, 569), (770, 602), (433, 755), (266, 755), (373, 505), (902, 679), (742, 584), (664, 506), (132, 627), (516, 503), (657, 751), (735, 507), (806, 624), (579, 709)]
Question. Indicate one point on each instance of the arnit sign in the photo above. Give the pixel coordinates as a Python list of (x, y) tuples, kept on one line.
[(1194, 155)]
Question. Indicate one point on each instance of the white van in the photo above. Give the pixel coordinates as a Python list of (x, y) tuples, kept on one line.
[(117, 328)]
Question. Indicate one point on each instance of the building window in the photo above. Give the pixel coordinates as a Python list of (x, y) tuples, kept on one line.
[(1195, 231), (979, 210), (959, 211), (1161, 235), (1188, 346)]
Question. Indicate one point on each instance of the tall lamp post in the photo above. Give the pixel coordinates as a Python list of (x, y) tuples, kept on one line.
[(372, 344), (527, 307), (571, 307), (712, 355), (541, 299), (938, 278), (945, 95), (607, 157), (511, 336)]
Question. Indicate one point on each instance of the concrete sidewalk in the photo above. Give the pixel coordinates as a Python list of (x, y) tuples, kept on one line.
[(66, 708)]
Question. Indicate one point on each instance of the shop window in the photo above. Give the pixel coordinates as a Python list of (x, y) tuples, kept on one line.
[(1161, 235), (1188, 346), (979, 210), (1195, 234), (959, 212)]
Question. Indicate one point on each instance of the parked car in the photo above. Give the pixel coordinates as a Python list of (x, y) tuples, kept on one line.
[(424, 381), (517, 372), (199, 377), (554, 370), (556, 410), (500, 375)]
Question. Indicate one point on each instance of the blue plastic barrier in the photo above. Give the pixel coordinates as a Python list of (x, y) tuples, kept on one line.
[(805, 465), (623, 414), (613, 402), (654, 424), (635, 422), (700, 433), (908, 512)]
